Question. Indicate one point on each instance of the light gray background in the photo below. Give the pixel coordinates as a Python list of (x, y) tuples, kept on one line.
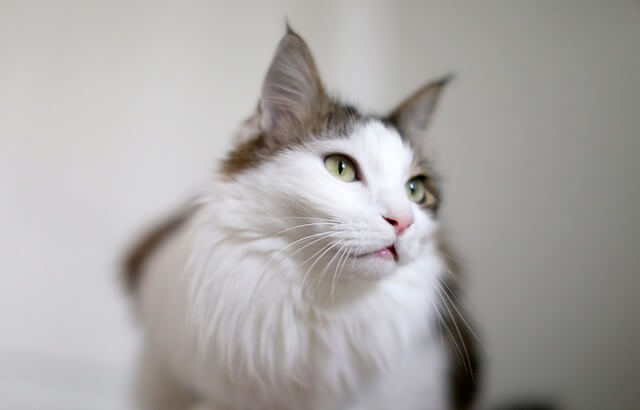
[(112, 112)]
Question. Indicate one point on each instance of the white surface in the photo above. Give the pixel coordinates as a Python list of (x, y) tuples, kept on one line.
[(111, 112)]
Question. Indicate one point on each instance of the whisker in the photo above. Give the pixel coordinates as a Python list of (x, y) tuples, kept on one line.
[(343, 246), (335, 272), (316, 261), (344, 262), (452, 293), (309, 217), (455, 324), (302, 226), (326, 268), (459, 354), (442, 322), (465, 323), (321, 236), (313, 256)]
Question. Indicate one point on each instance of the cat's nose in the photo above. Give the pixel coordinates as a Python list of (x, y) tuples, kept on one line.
[(399, 223)]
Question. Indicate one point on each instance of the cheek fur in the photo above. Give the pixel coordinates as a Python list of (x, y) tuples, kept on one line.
[(304, 179)]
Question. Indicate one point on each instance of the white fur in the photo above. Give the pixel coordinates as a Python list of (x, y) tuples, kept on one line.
[(235, 318)]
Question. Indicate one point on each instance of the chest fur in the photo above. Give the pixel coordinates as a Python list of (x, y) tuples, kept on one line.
[(236, 330)]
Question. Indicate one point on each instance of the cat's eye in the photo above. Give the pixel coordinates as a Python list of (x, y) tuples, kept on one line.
[(341, 167), (418, 192)]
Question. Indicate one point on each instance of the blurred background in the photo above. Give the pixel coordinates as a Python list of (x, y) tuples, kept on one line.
[(112, 113)]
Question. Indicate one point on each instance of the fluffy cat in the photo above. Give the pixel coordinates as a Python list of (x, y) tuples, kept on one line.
[(307, 274)]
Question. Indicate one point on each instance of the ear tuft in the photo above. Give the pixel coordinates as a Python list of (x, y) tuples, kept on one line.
[(446, 79), (288, 29), (413, 115), (292, 93)]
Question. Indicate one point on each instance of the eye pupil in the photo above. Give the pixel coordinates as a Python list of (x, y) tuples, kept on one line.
[(341, 167)]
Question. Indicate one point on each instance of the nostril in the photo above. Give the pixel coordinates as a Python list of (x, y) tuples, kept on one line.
[(400, 224), (392, 222)]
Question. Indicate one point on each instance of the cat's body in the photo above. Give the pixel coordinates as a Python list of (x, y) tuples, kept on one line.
[(286, 287)]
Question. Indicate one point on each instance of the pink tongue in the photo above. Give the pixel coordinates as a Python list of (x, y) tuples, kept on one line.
[(384, 253)]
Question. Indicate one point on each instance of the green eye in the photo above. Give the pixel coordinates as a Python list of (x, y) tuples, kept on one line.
[(416, 190), (341, 167)]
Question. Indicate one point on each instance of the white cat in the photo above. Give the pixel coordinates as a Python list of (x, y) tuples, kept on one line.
[(307, 274)]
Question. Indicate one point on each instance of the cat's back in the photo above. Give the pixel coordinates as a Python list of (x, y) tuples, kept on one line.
[(148, 246)]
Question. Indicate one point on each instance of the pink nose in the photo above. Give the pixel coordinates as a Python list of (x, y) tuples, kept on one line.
[(399, 223)]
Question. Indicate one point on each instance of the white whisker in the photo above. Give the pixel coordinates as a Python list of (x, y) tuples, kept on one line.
[(335, 272), (302, 226), (321, 275), (321, 236), (439, 289), (316, 261), (466, 324), (313, 256)]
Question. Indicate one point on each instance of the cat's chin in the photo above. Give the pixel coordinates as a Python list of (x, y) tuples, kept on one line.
[(372, 268)]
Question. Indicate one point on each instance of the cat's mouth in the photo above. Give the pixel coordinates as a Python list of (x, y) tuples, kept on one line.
[(388, 253)]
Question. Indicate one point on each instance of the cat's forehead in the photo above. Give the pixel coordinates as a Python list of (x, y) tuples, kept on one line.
[(342, 127), (375, 144)]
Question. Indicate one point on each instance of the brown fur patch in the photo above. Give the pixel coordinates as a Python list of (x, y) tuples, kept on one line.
[(336, 120), (247, 155), (140, 253)]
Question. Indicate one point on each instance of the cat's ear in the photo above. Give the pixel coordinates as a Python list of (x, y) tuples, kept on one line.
[(412, 116), (292, 93)]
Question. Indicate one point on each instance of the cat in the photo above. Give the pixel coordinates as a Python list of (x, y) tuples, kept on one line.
[(308, 273)]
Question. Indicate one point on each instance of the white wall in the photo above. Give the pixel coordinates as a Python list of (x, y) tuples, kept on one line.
[(111, 112)]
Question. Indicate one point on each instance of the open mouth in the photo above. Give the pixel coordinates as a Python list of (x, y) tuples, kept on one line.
[(385, 253)]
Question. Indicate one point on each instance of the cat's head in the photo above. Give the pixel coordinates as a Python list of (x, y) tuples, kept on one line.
[(351, 193)]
